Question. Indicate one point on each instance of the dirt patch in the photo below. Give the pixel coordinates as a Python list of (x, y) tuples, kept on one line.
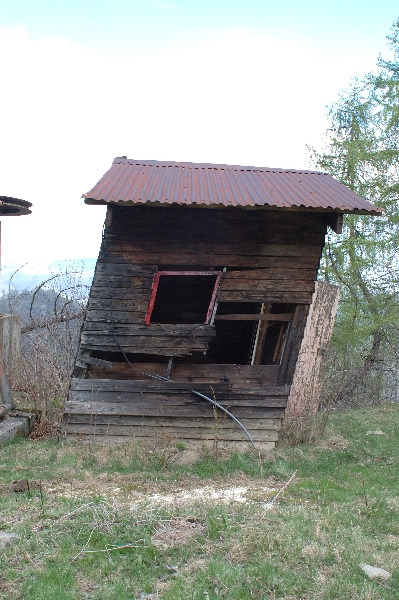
[(336, 442), (121, 492), (177, 531)]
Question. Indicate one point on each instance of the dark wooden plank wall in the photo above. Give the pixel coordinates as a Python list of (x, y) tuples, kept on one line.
[(152, 408), (270, 256)]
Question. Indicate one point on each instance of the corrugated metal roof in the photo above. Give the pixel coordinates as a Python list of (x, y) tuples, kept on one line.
[(150, 181), (14, 206)]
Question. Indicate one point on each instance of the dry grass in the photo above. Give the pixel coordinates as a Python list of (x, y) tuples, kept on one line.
[(126, 521)]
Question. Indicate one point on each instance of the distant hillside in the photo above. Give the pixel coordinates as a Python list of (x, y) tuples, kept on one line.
[(47, 303), (25, 277)]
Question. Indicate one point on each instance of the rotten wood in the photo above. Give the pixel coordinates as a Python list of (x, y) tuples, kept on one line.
[(305, 389), (255, 317), (98, 385), (292, 345), (109, 430), (205, 410), (244, 375)]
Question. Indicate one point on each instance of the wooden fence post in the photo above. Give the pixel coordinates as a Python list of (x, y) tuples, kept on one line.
[(10, 356)]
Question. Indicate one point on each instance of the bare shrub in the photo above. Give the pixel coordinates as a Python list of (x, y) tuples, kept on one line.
[(379, 385), (303, 429), (52, 316)]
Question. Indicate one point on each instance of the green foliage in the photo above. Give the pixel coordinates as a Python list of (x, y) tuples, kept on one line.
[(363, 153)]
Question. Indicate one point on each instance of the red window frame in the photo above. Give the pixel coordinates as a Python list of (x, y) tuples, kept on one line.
[(155, 284)]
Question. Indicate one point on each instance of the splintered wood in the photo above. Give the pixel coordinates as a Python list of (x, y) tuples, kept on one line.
[(305, 389)]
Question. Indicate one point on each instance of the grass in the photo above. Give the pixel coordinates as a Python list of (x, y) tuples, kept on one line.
[(93, 526)]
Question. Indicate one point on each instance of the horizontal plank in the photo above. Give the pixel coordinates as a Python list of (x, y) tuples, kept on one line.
[(145, 349), (89, 360), (152, 253), (287, 272), (99, 338), (254, 317), (274, 285), (234, 260), (146, 215), (106, 266), (136, 299), (214, 220), (131, 343), (142, 400), (104, 292), (103, 315), (157, 330), (204, 410), (139, 284), (241, 375), (299, 297), (106, 431), (177, 422), (153, 385), (222, 239)]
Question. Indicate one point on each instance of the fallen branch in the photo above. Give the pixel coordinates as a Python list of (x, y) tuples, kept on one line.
[(114, 548), (270, 504), (61, 319)]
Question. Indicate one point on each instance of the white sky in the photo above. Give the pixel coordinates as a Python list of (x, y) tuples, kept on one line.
[(68, 108)]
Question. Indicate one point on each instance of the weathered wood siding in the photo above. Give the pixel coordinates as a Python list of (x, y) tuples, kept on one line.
[(10, 339), (143, 408), (268, 257), (305, 390)]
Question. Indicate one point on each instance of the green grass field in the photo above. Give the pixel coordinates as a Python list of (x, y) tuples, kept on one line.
[(119, 522)]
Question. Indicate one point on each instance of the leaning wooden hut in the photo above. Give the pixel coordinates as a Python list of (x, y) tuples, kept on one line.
[(201, 293)]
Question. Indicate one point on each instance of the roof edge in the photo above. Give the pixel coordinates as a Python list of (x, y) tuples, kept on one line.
[(194, 165), (375, 212)]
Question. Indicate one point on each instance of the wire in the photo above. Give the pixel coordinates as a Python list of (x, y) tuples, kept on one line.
[(159, 377)]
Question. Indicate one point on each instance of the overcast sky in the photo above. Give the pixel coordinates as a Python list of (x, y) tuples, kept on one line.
[(242, 82)]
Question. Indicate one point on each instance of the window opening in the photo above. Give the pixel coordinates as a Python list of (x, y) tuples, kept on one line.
[(183, 297), (249, 333), (273, 347), (234, 339)]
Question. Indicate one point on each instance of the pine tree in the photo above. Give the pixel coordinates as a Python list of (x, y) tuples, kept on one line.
[(363, 153)]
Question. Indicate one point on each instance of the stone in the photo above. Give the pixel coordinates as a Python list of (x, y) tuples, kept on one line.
[(375, 572), (7, 538), (19, 486), (375, 433), (12, 427), (188, 458)]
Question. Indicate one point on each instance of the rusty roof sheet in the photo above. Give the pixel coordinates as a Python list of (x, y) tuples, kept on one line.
[(202, 184), (14, 206)]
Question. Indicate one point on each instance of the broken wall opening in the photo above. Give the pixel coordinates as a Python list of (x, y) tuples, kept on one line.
[(183, 297)]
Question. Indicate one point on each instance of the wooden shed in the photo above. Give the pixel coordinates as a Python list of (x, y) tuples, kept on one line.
[(201, 293)]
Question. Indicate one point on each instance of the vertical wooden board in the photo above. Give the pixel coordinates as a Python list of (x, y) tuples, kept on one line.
[(10, 338), (292, 345), (305, 390)]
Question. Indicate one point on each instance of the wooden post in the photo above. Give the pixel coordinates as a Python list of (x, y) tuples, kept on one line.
[(305, 389), (10, 355)]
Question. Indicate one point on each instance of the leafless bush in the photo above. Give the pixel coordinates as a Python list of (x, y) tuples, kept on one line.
[(379, 385), (303, 429), (52, 316)]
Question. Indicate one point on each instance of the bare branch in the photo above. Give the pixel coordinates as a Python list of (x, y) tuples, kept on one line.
[(61, 319)]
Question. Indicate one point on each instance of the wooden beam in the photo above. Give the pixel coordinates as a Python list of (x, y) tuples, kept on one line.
[(255, 317), (334, 221)]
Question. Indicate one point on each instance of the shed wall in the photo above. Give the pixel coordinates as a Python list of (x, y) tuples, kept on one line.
[(267, 257)]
